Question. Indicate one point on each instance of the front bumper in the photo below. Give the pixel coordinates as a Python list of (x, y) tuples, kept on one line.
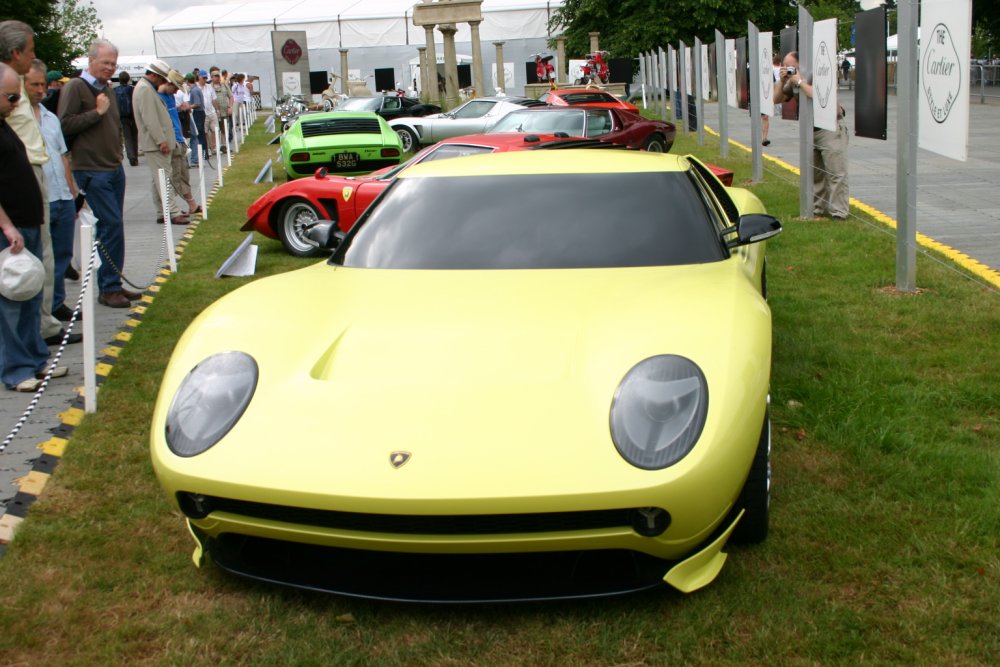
[(453, 568)]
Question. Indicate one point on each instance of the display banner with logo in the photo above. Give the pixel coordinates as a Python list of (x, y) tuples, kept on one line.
[(824, 74), (291, 61), (945, 42), (731, 73), (706, 81), (765, 56)]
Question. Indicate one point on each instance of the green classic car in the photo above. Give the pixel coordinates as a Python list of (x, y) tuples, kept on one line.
[(342, 142)]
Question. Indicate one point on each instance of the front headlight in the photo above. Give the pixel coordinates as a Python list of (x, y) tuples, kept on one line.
[(209, 401), (658, 411)]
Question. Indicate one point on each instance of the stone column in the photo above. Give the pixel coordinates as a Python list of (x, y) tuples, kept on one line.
[(593, 41), (500, 76), (343, 72), (422, 63), (448, 31), (432, 94), (477, 61), (562, 69)]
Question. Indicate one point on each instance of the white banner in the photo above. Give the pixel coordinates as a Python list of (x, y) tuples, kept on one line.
[(824, 74), (689, 82), (731, 74), (672, 71), (706, 82), (946, 26), (765, 44)]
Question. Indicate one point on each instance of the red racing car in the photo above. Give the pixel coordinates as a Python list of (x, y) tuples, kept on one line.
[(286, 211)]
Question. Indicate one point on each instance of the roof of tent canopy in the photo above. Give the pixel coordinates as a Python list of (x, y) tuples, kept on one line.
[(314, 11), (246, 27)]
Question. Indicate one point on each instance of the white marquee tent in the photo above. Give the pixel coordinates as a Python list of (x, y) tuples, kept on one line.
[(378, 33)]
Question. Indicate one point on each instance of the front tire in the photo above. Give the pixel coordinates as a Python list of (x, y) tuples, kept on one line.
[(755, 497), (408, 138), (290, 225), (655, 144)]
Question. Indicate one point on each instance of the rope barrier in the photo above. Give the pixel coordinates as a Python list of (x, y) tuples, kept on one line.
[(85, 281)]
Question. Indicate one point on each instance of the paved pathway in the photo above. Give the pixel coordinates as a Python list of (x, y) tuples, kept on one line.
[(958, 203), (144, 256)]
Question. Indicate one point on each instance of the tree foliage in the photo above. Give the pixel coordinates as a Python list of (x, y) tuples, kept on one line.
[(64, 29), (629, 27)]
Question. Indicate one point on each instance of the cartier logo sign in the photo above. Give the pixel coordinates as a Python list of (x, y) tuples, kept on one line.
[(291, 51), (941, 73)]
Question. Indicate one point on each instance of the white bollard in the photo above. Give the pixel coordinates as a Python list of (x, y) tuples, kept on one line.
[(87, 312), (218, 157), (229, 148), (168, 236), (201, 180), (237, 128)]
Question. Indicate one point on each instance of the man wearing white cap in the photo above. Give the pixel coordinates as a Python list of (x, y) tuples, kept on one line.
[(23, 353), (156, 132)]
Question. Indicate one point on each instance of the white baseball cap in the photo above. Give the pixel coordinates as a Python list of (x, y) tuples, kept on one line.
[(21, 275)]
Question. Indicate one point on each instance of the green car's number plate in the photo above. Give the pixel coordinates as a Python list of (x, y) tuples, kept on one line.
[(345, 160)]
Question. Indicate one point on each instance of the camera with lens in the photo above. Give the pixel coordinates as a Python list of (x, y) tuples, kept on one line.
[(790, 70)]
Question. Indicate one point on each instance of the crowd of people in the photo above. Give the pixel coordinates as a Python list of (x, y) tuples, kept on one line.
[(63, 143)]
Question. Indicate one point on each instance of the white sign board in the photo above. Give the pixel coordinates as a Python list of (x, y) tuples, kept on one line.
[(672, 69), (508, 75), (291, 83), (731, 73), (946, 31), (824, 75), (706, 83), (765, 46), (690, 70)]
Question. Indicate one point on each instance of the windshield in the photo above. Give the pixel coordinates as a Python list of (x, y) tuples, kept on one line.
[(569, 121), (436, 152), (516, 222), (473, 109), (359, 104)]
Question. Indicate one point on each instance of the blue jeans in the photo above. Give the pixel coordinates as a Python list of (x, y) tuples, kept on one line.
[(62, 218), (194, 142), (22, 350), (106, 196)]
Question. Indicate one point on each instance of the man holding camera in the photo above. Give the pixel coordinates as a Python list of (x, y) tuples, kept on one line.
[(830, 193)]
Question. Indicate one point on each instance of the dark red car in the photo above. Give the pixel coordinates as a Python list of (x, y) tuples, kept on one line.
[(619, 126), (594, 97)]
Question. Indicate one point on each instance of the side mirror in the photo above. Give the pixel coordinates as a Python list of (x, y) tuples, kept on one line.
[(753, 228), (325, 234)]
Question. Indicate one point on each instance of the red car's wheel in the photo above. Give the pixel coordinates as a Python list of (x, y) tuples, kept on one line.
[(293, 217), (655, 144)]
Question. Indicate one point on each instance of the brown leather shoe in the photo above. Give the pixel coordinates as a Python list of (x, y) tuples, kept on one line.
[(130, 295), (113, 300)]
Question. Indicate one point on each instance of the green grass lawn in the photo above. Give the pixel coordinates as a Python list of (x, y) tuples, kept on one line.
[(885, 512)]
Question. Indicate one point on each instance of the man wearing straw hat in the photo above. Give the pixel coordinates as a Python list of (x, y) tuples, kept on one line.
[(156, 133)]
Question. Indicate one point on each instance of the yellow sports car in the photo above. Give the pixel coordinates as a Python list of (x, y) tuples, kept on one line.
[(524, 375)]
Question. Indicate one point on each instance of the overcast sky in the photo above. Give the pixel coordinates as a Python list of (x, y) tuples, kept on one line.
[(129, 25)]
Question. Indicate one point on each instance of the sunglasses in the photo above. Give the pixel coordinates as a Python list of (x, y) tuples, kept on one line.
[(12, 97)]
